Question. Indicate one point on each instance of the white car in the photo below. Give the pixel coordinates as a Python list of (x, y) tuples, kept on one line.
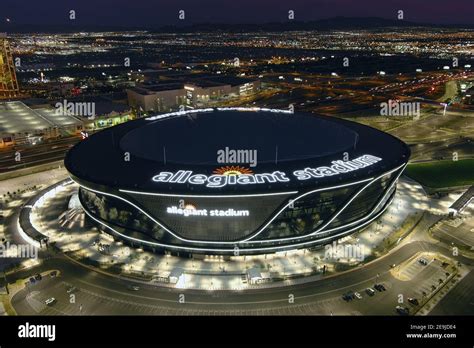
[(50, 301), (370, 291), (71, 289), (359, 296), (402, 311)]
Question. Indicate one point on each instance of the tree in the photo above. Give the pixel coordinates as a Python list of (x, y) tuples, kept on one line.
[(113, 214)]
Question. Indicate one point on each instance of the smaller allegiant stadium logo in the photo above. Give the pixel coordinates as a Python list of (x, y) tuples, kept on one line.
[(232, 170)]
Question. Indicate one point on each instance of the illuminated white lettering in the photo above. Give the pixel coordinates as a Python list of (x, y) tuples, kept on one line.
[(204, 212), (217, 181)]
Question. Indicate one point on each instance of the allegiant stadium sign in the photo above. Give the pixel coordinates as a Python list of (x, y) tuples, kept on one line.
[(216, 180)]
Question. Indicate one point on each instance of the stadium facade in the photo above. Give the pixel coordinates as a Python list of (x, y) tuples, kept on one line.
[(236, 181)]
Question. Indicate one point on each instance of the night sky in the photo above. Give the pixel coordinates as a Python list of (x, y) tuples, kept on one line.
[(156, 13)]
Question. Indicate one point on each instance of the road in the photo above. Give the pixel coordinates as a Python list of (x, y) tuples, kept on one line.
[(104, 294), (36, 154)]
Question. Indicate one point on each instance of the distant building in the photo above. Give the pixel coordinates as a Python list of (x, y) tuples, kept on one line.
[(100, 111), (167, 95), (21, 124), (8, 81), (159, 97)]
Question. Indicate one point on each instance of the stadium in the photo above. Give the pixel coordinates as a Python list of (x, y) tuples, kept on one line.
[(235, 181)]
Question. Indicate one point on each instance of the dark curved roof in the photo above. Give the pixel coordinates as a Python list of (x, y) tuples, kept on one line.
[(189, 140), (284, 142)]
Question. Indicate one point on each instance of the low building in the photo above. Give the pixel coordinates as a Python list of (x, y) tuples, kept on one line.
[(168, 95), (108, 111), (20, 124), (158, 97)]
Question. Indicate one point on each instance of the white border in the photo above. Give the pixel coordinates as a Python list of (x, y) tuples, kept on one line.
[(209, 196)]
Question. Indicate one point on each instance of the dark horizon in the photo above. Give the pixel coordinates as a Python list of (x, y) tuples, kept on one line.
[(144, 14), (327, 24)]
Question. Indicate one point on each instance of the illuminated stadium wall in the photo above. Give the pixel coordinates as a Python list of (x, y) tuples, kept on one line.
[(280, 207)]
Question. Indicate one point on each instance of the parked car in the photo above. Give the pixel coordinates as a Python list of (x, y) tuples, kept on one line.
[(348, 296), (357, 295), (423, 261), (402, 310), (50, 301), (53, 274), (413, 301), (379, 287), (32, 280), (370, 291), (71, 289), (38, 277)]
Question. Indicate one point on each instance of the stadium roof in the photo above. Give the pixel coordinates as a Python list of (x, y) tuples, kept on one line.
[(275, 137), (189, 142)]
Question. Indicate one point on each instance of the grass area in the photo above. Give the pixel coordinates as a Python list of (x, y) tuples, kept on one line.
[(7, 305), (443, 173)]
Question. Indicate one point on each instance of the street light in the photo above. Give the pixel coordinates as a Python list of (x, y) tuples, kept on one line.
[(6, 281)]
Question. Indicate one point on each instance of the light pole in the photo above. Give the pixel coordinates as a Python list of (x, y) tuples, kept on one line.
[(445, 107), (6, 282)]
